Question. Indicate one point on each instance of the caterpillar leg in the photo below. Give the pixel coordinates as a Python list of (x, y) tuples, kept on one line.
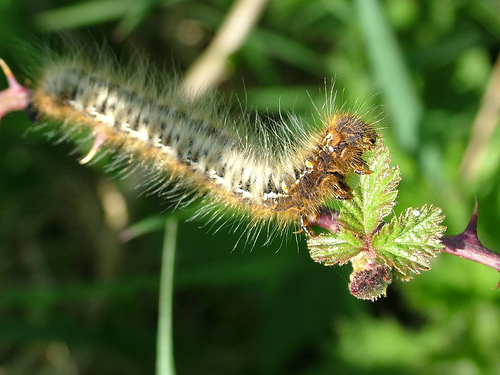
[(305, 226), (98, 141)]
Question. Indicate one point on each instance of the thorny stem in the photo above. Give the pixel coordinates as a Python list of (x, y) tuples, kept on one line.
[(467, 245)]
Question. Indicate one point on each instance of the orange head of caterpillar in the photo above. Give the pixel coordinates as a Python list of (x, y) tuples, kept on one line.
[(345, 140), (339, 153)]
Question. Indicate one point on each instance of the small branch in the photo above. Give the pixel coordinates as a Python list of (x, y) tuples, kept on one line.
[(467, 245), (211, 66), (483, 128), (164, 351)]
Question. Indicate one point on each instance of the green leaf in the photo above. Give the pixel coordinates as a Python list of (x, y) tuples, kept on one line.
[(378, 249), (409, 241), (359, 217), (392, 73), (83, 14), (374, 197), (345, 244)]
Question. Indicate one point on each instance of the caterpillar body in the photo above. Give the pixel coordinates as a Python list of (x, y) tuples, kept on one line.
[(266, 171)]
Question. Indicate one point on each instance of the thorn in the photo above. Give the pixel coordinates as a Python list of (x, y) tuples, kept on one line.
[(467, 245), (470, 231), (98, 141), (472, 226)]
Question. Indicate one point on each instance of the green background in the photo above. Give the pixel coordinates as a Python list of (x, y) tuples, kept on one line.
[(75, 299)]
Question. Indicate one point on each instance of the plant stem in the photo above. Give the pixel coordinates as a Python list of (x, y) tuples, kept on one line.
[(164, 351), (467, 245)]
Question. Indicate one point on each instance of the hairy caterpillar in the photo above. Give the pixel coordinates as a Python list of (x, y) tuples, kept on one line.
[(265, 171)]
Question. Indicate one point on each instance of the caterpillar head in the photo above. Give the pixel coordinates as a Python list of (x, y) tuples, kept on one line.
[(345, 140)]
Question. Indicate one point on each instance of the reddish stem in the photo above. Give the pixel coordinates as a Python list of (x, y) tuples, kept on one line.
[(16, 97), (467, 245)]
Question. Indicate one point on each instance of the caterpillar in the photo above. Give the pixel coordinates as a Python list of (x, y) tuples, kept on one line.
[(266, 170)]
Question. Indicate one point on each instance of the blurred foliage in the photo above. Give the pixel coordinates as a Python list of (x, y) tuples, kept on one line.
[(76, 300)]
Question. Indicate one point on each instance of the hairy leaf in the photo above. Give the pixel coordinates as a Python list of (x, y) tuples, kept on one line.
[(409, 241), (374, 197), (345, 245)]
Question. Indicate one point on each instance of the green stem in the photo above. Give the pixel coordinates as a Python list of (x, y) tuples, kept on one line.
[(165, 353)]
